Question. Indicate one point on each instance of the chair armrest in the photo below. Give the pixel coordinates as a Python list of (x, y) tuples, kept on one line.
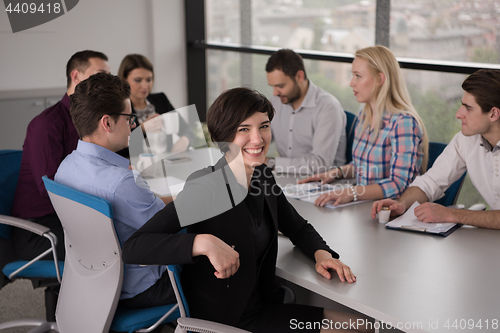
[(198, 325), (24, 224), (39, 230)]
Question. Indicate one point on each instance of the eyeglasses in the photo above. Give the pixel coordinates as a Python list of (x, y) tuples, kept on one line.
[(132, 116)]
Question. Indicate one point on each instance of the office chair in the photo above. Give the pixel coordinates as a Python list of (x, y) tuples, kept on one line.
[(42, 273), (93, 272), (349, 132), (451, 194), (184, 323)]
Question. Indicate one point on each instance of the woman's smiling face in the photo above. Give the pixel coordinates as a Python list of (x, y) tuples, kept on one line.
[(253, 137)]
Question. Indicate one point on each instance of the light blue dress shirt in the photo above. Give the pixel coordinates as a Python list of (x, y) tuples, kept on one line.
[(98, 171)]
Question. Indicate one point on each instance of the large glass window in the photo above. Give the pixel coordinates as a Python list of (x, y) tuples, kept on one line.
[(326, 25), (446, 30), (433, 29)]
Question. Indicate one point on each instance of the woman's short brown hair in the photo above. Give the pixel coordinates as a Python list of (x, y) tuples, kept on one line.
[(230, 109), (133, 61)]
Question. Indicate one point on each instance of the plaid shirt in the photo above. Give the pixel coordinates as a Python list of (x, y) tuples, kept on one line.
[(393, 159)]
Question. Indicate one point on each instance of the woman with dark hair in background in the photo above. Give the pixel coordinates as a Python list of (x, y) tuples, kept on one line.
[(138, 71), (232, 212)]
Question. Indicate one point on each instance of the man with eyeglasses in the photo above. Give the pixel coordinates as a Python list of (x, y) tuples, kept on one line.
[(102, 114), (50, 137)]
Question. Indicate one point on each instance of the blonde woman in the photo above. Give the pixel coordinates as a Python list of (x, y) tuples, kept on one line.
[(390, 141)]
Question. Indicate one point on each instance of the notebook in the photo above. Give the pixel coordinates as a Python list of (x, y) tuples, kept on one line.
[(409, 222)]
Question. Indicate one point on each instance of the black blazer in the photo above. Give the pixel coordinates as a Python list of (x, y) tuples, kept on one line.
[(220, 300), (162, 105)]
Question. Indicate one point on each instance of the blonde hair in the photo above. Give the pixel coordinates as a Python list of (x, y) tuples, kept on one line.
[(392, 95)]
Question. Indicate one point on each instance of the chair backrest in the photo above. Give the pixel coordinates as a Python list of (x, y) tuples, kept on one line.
[(451, 194), (349, 132), (10, 163), (93, 271)]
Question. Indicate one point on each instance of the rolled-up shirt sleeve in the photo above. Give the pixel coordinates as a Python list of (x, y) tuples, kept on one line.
[(448, 168)]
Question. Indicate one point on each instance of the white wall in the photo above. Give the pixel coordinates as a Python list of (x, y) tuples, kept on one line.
[(169, 50), (36, 58)]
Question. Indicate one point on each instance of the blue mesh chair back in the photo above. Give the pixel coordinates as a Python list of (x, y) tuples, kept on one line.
[(10, 164), (42, 272)]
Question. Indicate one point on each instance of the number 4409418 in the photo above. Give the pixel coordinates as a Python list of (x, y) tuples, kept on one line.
[(32, 8), (471, 324)]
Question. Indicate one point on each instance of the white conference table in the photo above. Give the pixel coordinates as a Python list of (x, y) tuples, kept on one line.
[(179, 166), (418, 280)]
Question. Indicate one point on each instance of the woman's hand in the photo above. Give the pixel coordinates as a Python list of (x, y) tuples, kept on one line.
[(223, 257), (323, 177), (325, 262), (180, 145), (152, 124), (344, 195)]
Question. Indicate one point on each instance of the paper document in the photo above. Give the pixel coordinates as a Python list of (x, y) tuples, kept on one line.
[(311, 191), (165, 186), (330, 204), (299, 191), (409, 221)]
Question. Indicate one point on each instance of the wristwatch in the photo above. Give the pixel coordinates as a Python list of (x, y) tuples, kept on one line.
[(271, 163)]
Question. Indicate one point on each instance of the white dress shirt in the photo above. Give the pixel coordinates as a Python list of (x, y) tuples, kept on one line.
[(471, 153), (311, 138)]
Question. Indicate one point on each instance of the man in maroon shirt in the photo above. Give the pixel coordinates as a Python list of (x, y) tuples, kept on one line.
[(50, 137)]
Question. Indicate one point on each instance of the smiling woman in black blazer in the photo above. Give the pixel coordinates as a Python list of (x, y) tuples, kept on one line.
[(232, 212)]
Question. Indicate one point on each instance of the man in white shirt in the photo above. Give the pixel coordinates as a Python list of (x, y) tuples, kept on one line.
[(309, 123), (476, 149)]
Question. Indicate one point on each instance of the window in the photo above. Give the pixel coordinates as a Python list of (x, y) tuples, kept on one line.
[(446, 30), (436, 30)]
